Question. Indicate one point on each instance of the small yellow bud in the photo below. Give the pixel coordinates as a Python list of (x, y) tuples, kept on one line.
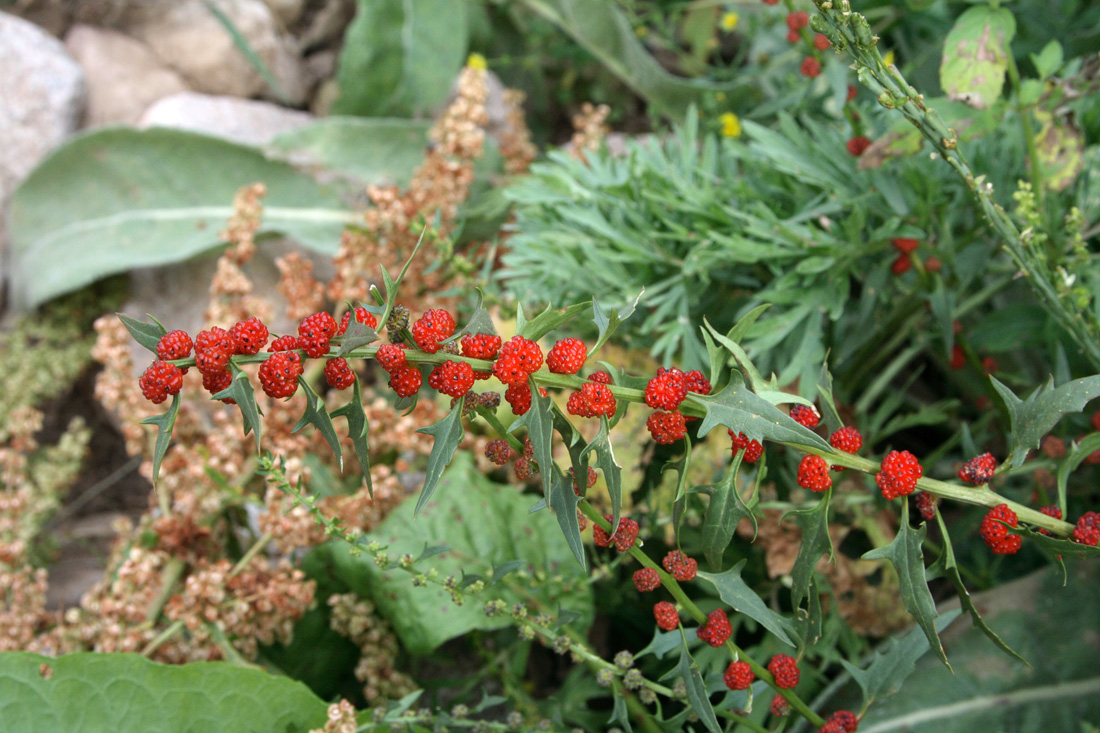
[(729, 21), (477, 61), (731, 125), (888, 58)]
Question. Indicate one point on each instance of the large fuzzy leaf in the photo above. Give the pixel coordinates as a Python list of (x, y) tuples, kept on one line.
[(150, 197), (1033, 417), (975, 55), (375, 150)]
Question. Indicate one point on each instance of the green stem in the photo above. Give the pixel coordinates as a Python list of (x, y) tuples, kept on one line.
[(256, 549), (162, 637), (742, 720), (1034, 164), (173, 571)]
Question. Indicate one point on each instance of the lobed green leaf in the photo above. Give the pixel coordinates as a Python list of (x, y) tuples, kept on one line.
[(816, 541), (240, 391), (357, 430), (164, 422), (317, 416), (448, 434), (146, 334), (736, 593), (1033, 418)]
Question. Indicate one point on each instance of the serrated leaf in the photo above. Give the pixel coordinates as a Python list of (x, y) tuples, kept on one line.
[(358, 334), (448, 434), (126, 692), (975, 56), (893, 663), (736, 593), (808, 622), (146, 334), (240, 390), (752, 377), (829, 414), (563, 503), (619, 712), (904, 553), (480, 321), (612, 471), (662, 643), (687, 670), (816, 541), (1034, 417), (164, 422), (679, 502), (740, 410), (539, 423), (317, 416), (391, 285), (1078, 452), (608, 323), (1066, 548), (550, 319), (724, 512), (357, 430)]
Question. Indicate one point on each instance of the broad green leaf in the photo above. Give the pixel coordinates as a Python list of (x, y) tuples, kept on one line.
[(687, 670), (146, 334), (1055, 546), (448, 434), (400, 58), (740, 410), (736, 593), (816, 541), (372, 150), (894, 662), (128, 693), (906, 556), (1060, 148), (612, 471), (1015, 326), (603, 30), (539, 423), (607, 323), (975, 55), (140, 198), (1034, 417), (724, 513), (486, 526), (317, 416), (240, 391), (549, 319), (563, 503), (164, 422), (662, 644), (357, 430), (1049, 59)]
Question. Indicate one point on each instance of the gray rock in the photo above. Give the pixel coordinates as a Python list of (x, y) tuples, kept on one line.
[(123, 75), (240, 120), (188, 37), (287, 11)]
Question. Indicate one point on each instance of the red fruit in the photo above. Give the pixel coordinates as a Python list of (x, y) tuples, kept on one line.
[(753, 449), (174, 345), (785, 671), (1053, 447), (567, 356), (901, 265), (603, 377), (852, 92), (338, 374), (995, 534), (250, 335), (771, 2), (1095, 419), (626, 534), (899, 474), (905, 245), (519, 397), (646, 579), (406, 381), (958, 357), (797, 20), (526, 352), (666, 427), (498, 451), (315, 332), (716, 631), (810, 67), (668, 618), (1051, 511), (593, 400), (738, 676), (780, 708), (666, 390), (279, 374), (453, 378), (821, 42), (793, 36), (1087, 530), (391, 356), (600, 536), (805, 415), (696, 382), (434, 326), (979, 469), (525, 468), (362, 315), (214, 383), (858, 144), (573, 479), (481, 346), (933, 264), (846, 439), (159, 380), (682, 567), (926, 505), (813, 473), (989, 365), (213, 349), (847, 721), (284, 343)]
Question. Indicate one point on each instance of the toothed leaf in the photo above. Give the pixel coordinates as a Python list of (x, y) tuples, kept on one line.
[(357, 430), (612, 471), (738, 409), (317, 416), (448, 434), (816, 541), (146, 334), (240, 390), (164, 422), (736, 593), (1034, 417)]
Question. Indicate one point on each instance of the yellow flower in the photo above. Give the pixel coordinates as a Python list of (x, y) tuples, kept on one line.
[(731, 125), (477, 61), (888, 58), (729, 21), (641, 31)]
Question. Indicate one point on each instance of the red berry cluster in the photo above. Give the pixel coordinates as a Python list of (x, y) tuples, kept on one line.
[(813, 473), (738, 676), (593, 400), (338, 373), (842, 721), (805, 415), (666, 390), (362, 315), (857, 145), (498, 451), (1051, 510), (213, 348), (430, 329), (753, 449), (279, 374), (567, 356), (519, 358), (666, 427), (717, 630), (623, 538), (571, 475), (899, 474), (846, 439), (1087, 530), (452, 378), (996, 535), (668, 618), (646, 579), (682, 567), (779, 707), (926, 505), (159, 380), (174, 345), (785, 671), (315, 332), (979, 469), (481, 346), (250, 336)]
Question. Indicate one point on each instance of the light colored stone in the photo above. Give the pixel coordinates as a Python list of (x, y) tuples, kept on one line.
[(123, 75), (287, 11), (240, 120), (187, 37)]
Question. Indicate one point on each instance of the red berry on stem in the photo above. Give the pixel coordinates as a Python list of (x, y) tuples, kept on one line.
[(646, 579), (696, 382), (847, 439), (805, 415), (666, 390), (453, 378), (821, 42), (214, 383), (519, 397), (738, 676), (753, 449), (979, 469), (498, 451), (716, 631), (899, 474), (682, 567), (481, 346), (406, 381), (391, 356), (1087, 529), (213, 348), (602, 376), (813, 473), (906, 244), (159, 380), (362, 315), (926, 505), (857, 145), (666, 427), (958, 357), (174, 345), (810, 67), (284, 343), (785, 671), (338, 374), (567, 356), (434, 326), (668, 618), (780, 708), (901, 265), (250, 335), (279, 374)]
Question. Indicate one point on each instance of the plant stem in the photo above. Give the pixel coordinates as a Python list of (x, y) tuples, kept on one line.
[(162, 637), (247, 557)]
